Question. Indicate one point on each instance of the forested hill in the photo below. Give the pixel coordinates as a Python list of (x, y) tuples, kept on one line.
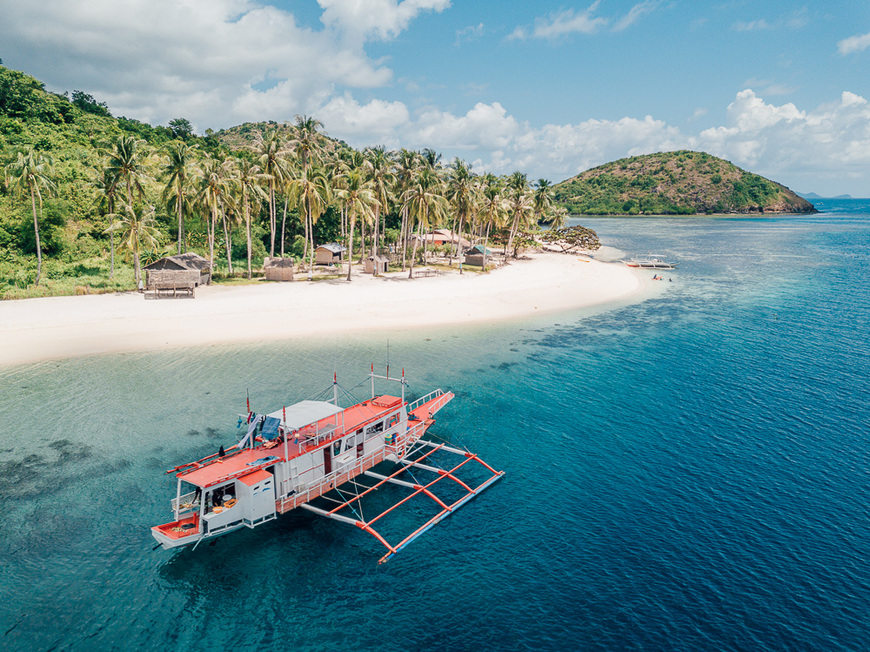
[(675, 183)]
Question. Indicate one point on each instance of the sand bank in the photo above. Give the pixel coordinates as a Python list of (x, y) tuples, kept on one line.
[(65, 327)]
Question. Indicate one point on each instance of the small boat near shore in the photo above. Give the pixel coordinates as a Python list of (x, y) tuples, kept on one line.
[(318, 456), (652, 261)]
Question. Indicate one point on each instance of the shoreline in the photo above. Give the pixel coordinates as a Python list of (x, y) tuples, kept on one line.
[(36, 330)]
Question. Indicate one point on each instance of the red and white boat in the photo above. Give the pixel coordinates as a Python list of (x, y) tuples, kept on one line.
[(314, 450)]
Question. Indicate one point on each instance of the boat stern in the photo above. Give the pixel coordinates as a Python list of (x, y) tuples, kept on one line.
[(176, 534)]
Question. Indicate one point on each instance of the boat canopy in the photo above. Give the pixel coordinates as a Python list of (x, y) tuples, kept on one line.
[(304, 413)]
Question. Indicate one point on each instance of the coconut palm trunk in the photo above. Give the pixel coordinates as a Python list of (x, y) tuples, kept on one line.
[(36, 233), (350, 247), (229, 246)]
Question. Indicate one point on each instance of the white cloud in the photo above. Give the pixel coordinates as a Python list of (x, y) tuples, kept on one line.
[(382, 19), (637, 12), (469, 33), (571, 21), (806, 149), (753, 25), (854, 44), (218, 62), (375, 123), (563, 23)]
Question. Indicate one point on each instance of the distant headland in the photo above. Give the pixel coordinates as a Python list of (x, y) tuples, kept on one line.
[(675, 183)]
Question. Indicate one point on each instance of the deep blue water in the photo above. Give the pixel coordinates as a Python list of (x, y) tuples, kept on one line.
[(686, 473)]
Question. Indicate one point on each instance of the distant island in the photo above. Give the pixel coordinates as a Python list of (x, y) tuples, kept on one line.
[(675, 183), (811, 196)]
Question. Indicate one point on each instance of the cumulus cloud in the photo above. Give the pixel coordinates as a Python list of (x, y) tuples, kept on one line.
[(382, 19), (219, 62), (829, 144), (826, 147), (854, 44)]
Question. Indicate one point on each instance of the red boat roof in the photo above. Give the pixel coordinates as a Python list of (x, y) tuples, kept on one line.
[(253, 478), (238, 464)]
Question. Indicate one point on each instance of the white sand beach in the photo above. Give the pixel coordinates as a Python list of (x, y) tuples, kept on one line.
[(63, 327)]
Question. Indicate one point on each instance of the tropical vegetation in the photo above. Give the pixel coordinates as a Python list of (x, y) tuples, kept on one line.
[(674, 183)]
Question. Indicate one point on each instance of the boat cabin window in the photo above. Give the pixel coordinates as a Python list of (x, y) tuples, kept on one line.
[(394, 419), (218, 496), (349, 443), (375, 428)]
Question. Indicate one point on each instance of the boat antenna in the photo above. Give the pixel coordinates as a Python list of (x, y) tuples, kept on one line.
[(335, 388), (388, 357), (373, 379)]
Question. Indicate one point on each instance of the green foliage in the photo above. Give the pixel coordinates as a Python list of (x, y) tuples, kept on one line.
[(673, 183), (88, 104)]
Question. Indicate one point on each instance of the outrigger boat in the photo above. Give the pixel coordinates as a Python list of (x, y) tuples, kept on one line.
[(316, 449), (653, 261)]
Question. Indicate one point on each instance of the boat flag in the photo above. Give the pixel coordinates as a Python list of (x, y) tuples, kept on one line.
[(248, 401)]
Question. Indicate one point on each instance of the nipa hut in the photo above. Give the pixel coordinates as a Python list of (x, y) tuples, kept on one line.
[(278, 269), (329, 254), (478, 255), (376, 265), (182, 272)]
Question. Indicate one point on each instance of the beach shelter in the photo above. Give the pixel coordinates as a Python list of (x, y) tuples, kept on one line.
[(329, 254), (376, 265), (478, 255), (182, 268)]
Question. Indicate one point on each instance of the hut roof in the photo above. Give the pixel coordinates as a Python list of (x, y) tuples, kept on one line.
[(479, 249), (186, 261), (334, 247)]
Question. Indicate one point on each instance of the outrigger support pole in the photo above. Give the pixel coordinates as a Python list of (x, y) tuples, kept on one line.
[(416, 489)]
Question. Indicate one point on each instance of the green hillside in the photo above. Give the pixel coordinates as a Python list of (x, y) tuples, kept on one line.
[(674, 183)]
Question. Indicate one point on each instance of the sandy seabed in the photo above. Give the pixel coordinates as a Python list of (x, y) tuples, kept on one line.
[(64, 327)]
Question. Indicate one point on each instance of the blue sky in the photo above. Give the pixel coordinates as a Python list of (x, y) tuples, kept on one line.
[(549, 88)]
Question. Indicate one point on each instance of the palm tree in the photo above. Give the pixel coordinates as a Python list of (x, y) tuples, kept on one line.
[(216, 195), (312, 193), (107, 188), (136, 227), (460, 188), (306, 146), (542, 198), (425, 203), (521, 204), (268, 150), (178, 170), (381, 175), (558, 217), (30, 174), (359, 199), (248, 180), (407, 163), (125, 162), (494, 208)]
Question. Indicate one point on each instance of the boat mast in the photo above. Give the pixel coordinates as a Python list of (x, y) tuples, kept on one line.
[(335, 388)]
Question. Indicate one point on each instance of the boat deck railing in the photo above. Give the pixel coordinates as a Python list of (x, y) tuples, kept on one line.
[(431, 395)]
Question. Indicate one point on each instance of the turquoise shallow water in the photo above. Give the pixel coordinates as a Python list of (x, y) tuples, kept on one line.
[(686, 473)]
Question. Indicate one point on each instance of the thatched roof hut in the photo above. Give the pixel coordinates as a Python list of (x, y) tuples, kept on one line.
[(478, 255), (376, 264), (278, 269), (182, 269), (329, 254)]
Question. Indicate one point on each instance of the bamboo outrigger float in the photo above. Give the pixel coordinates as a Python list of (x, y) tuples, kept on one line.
[(316, 450)]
